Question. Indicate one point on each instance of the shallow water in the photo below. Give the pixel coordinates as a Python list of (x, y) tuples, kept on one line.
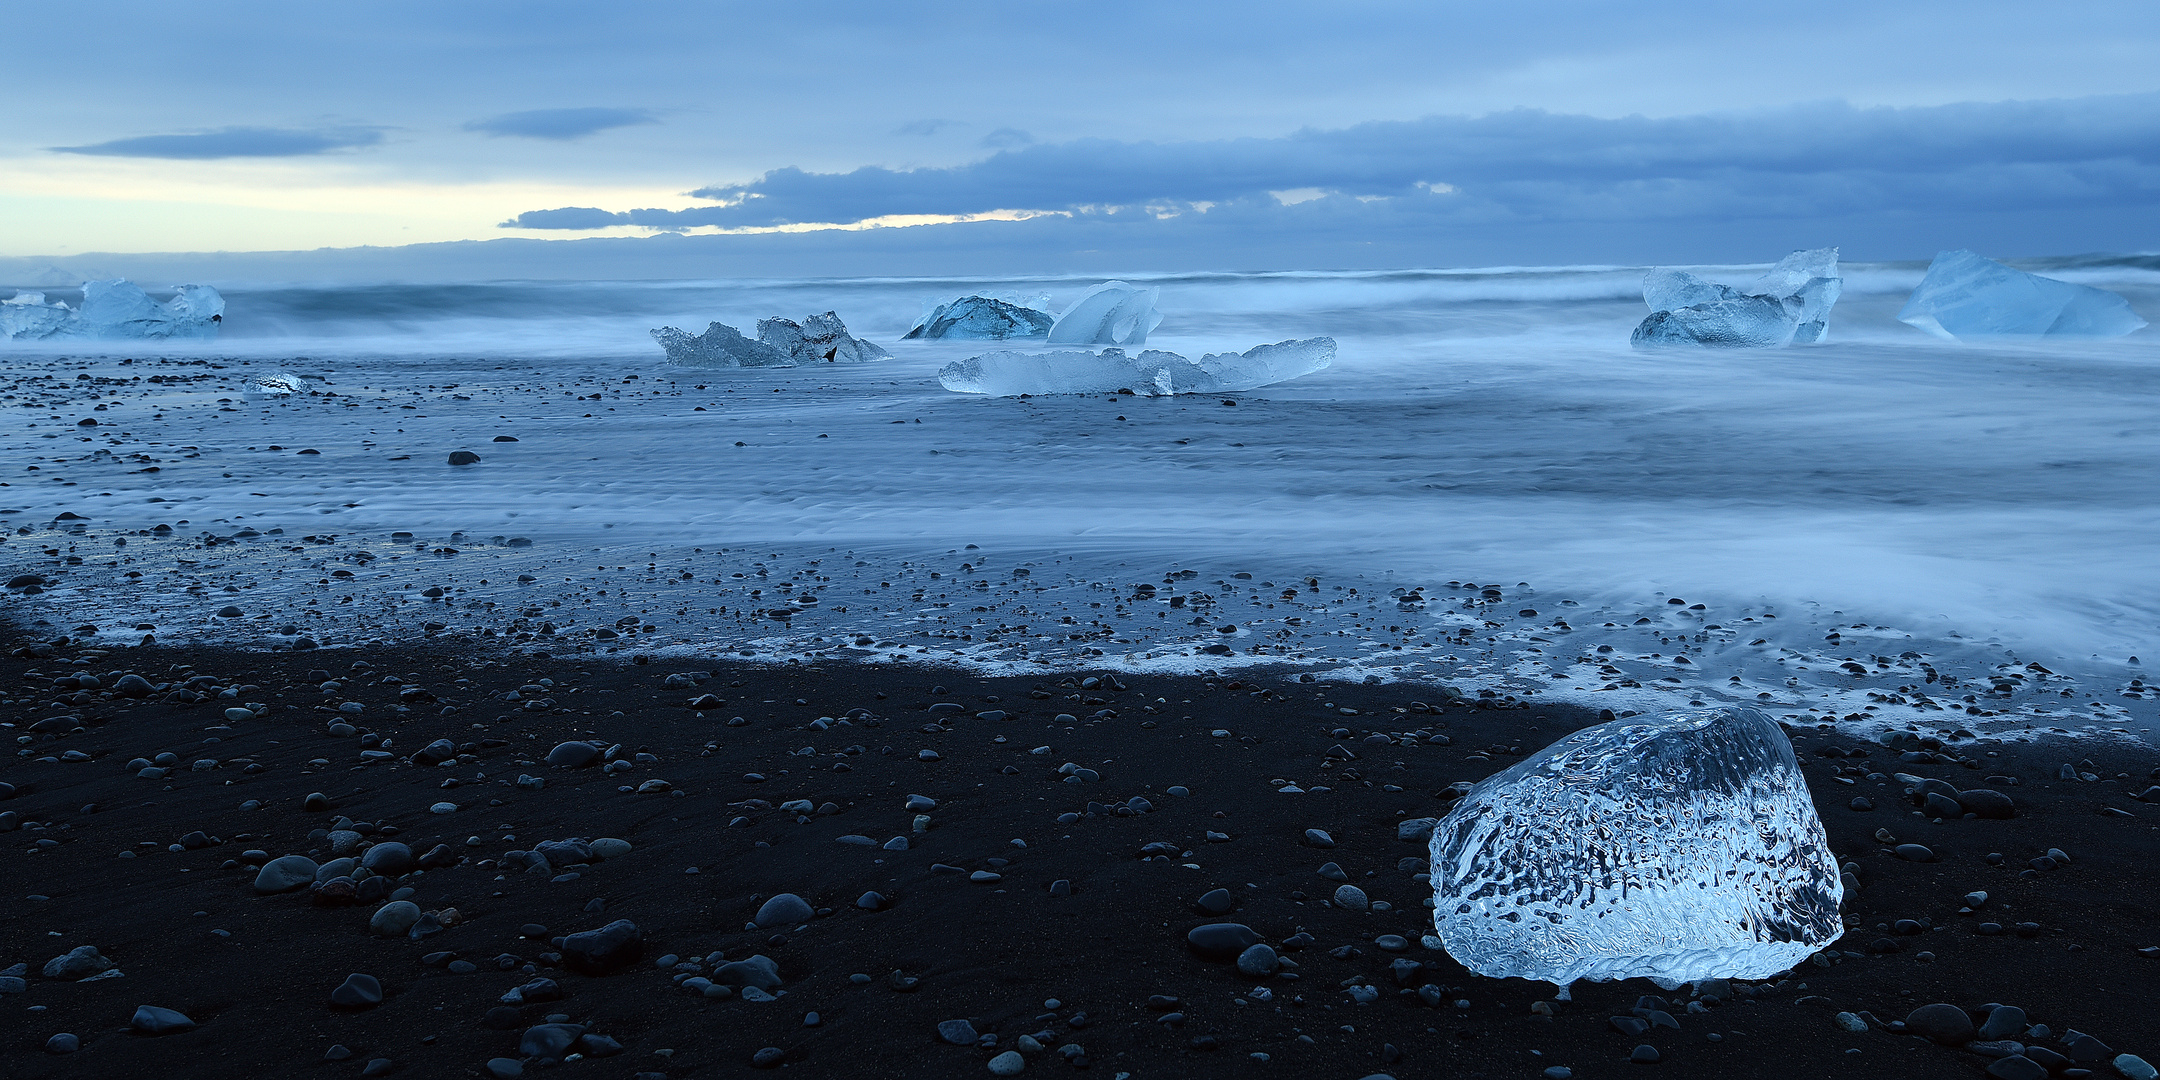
[(1945, 509)]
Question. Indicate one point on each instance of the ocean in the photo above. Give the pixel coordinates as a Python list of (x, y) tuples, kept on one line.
[(1488, 490)]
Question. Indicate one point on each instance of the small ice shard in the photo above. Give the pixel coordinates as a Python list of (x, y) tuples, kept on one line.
[(1112, 313), (1677, 848), (271, 384), (819, 339), (1153, 373), (1965, 296), (1789, 304), (981, 318), (115, 309), (780, 343)]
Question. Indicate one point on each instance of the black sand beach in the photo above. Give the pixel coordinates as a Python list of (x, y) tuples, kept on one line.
[(1078, 941)]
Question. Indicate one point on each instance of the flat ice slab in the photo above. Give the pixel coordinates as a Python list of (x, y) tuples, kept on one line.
[(116, 309), (1965, 296), (1112, 313), (819, 339), (1789, 304), (1676, 848), (981, 318), (1153, 373)]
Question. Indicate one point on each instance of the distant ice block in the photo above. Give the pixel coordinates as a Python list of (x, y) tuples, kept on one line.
[(1112, 313), (981, 318), (1153, 373), (271, 384), (115, 309), (1677, 849), (1789, 304), (818, 339), (1966, 296)]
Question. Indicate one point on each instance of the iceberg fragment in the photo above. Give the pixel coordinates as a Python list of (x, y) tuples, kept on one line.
[(983, 318), (271, 384), (1677, 848), (1789, 304), (1153, 373), (115, 309), (1967, 296), (780, 343), (1112, 313)]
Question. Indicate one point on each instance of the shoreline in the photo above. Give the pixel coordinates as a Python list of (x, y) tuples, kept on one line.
[(988, 950)]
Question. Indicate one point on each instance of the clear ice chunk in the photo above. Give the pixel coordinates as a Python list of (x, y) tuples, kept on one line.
[(780, 343), (1153, 373), (1965, 296), (819, 339), (1677, 848), (265, 385), (115, 309), (1112, 313), (1789, 304), (981, 318)]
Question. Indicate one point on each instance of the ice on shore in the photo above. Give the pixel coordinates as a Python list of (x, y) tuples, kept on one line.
[(1967, 296), (983, 318), (1153, 373), (116, 309), (1677, 848), (780, 343), (271, 384), (1112, 313), (1789, 304)]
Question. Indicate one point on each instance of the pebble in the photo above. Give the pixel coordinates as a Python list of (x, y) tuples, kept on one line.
[(549, 1040), (1850, 1022), (63, 1043), (2005, 1022), (1319, 838), (2134, 1067), (285, 873), (1945, 1024), (958, 1032), (1215, 902), (152, 1020), (1258, 961), (1351, 897), (785, 909), (767, 1058), (610, 948), (77, 964), (1221, 941), (573, 755), (757, 971), (395, 918), (1645, 1054), (1332, 872), (505, 1068), (1914, 853), (388, 859), (358, 992), (2017, 1067)]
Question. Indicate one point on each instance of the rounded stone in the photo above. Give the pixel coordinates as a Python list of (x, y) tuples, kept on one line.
[(1258, 961), (1222, 941), (549, 1040), (1008, 1063), (464, 457), (63, 1043), (152, 1020), (1915, 853), (607, 847), (505, 1068), (394, 918), (358, 992), (573, 755), (1945, 1024), (1352, 898), (389, 859), (1216, 902), (1986, 803), (786, 909)]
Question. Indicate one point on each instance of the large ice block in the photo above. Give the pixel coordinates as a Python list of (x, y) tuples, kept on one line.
[(981, 318), (1788, 304), (1112, 313), (1965, 296), (1677, 848), (115, 309), (1153, 373), (819, 339)]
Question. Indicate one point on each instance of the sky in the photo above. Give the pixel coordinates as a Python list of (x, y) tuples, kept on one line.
[(876, 136)]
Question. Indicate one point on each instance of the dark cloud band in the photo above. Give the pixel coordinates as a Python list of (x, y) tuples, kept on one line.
[(233, 142)]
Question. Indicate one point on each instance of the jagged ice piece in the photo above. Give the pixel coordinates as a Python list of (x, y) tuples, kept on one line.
[(115, 309), (719, 346), (1966, 296), (271, 384), (819, 339), (1112, 313), (1789, 303), (981, 318), (1153, 373), (1677, 848)]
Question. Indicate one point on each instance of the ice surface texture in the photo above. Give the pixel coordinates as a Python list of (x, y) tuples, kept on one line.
[(1678, 848), (1790, 304), (1153, 373), (114, 309), (981, 318), (819, 339), (272, 384), (1965, 296), (1112, 313)]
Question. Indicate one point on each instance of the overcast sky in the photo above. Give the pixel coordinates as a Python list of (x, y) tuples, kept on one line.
[(1299, 133)]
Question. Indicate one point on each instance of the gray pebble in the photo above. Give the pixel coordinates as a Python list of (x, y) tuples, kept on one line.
[(358, 992), (1351, 897), (958, 1032), (1319, 838), (152, 1020), (786, 909)]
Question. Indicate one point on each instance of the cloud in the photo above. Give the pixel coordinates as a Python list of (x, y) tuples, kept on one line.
[(567, 217), (1006, 138), (1523, 165), (925, 127), (233, 142), (561, 124)]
